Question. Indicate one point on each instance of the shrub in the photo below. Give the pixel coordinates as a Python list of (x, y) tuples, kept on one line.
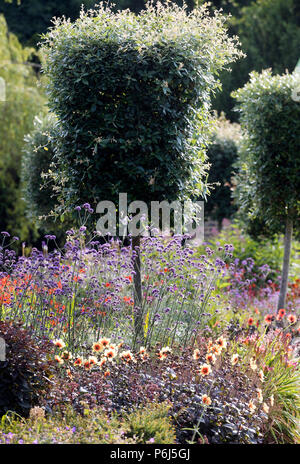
[(37, 182), (25, 375), (151, 424)]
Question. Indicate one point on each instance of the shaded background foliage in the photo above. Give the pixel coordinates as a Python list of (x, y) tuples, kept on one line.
[(23, 100), (222, 155), (31, 18), (269, 32)]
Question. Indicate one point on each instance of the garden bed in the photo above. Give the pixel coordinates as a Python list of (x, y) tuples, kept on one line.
[(209, 369)]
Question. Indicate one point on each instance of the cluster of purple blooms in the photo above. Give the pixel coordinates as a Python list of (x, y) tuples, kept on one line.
[(86, 289), (249, 285)]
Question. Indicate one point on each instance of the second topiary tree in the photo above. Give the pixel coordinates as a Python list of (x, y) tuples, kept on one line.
[(268, 189), (132, 97)]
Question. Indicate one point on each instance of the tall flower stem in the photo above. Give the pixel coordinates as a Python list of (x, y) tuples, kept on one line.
[(137, 284), (286, 262)]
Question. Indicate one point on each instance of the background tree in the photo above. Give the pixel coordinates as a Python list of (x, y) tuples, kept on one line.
[(268, 189), (132, 96), (28, 19), (222, 155), (23, 101), (269, 32)]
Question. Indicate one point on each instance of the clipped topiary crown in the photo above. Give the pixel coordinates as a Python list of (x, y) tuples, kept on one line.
[(132, 94)]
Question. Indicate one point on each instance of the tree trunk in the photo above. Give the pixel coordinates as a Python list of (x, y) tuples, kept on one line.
[(137, 283), (286, 262)]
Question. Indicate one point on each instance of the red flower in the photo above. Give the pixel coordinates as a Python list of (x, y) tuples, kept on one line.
[(281, 314), (97, 346), (269, 318), (78, 362), (205, 369), (292, 318), (87, 365)]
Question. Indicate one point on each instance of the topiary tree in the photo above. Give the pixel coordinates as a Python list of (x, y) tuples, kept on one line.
[(268, 189), (132, 95), (222, 155)]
